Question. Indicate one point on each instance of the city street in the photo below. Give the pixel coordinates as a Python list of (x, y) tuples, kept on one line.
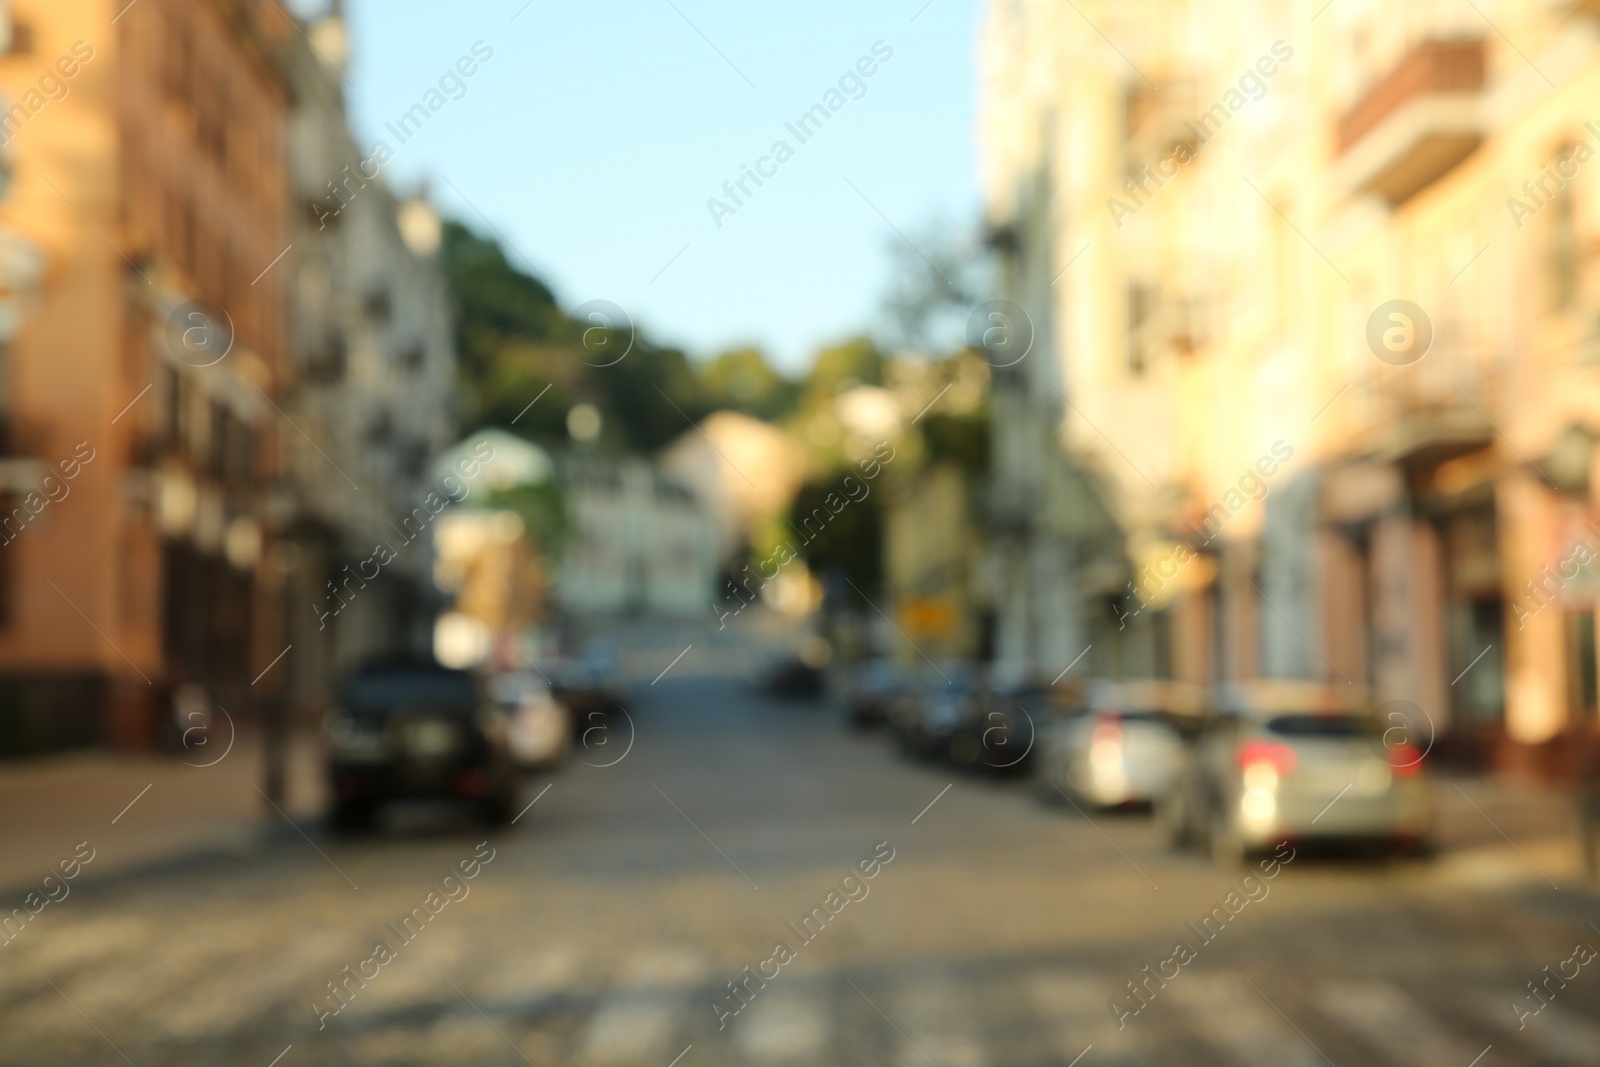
[(604, 926)]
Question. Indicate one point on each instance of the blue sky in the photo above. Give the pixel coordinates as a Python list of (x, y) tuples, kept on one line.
[(594, 137)]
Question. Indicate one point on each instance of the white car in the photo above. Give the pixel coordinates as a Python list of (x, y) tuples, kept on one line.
[(541, 726), (1302, 762), (1121, 750)]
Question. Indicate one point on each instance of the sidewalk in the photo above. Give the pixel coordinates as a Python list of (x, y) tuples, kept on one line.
[(49, 805)]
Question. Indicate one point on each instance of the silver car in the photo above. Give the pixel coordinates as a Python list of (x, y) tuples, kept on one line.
[(1299, 762), (1122, 749)]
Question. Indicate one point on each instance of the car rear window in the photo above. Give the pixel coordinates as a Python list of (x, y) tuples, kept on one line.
[(1132, 716), (1320, 726), (378, 696)]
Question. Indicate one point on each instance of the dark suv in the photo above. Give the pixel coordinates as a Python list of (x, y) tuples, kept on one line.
[(417, 731)]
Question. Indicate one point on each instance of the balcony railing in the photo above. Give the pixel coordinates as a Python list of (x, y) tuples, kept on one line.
[(1417, 122)]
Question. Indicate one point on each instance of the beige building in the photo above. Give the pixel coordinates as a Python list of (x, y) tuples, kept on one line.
[(1226, 456), (373, 395)]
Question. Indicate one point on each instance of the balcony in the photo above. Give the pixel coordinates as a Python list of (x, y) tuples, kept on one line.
[(1416, 123), (1422, 416)]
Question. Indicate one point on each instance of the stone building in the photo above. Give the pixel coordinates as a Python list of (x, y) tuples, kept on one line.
[(1231, 452)]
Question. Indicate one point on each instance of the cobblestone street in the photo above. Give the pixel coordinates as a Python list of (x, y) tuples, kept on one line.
[(613, 915)]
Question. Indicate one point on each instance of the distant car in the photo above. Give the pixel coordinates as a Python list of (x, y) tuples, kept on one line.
[(872, 691), (540, 726), (1122, 748), (1000, 733), (591, 683), (798, 673), (925, 718), (414, 731), (1283, 761)]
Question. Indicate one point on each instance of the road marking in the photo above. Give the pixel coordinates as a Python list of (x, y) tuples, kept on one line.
[(781, 1028), (1392, 1022), (281, 1055), (532, 802), (680, 1056), (1290, 1021), (131, 803), (671, 665), (1556, 1035), (492, 1026), (890, 1021), (931, 803), (1480, 1056), (1223, 1009)]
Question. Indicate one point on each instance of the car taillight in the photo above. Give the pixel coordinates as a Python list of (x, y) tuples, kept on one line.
[(1275, 754), (1405, 760), (1107, 733)]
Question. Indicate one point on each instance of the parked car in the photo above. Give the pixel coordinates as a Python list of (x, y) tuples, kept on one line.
[(927, 715), (1288, 761), (414, 731), (873, 688), (1000, 733), (800, 672), (540, 726), (1121, 747), (590, 683)]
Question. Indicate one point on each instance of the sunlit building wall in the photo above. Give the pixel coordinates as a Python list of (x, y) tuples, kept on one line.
[(1204, 326), (146, 149)]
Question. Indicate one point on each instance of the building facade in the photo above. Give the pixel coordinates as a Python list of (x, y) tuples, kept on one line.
[(184, 468), (641, 542), (148, 186), (1314, 293), (372, 395)]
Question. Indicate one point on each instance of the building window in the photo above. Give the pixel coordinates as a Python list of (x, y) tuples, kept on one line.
[(1141, 308), (1562, 257)]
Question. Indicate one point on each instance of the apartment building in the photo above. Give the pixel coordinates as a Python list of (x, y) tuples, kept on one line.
[(1313, 387), (372, 393), (214, 399), (146, 199)]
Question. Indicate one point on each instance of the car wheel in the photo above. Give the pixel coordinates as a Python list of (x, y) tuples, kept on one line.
[(496, 810), (351, 818), (1227, 843)]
